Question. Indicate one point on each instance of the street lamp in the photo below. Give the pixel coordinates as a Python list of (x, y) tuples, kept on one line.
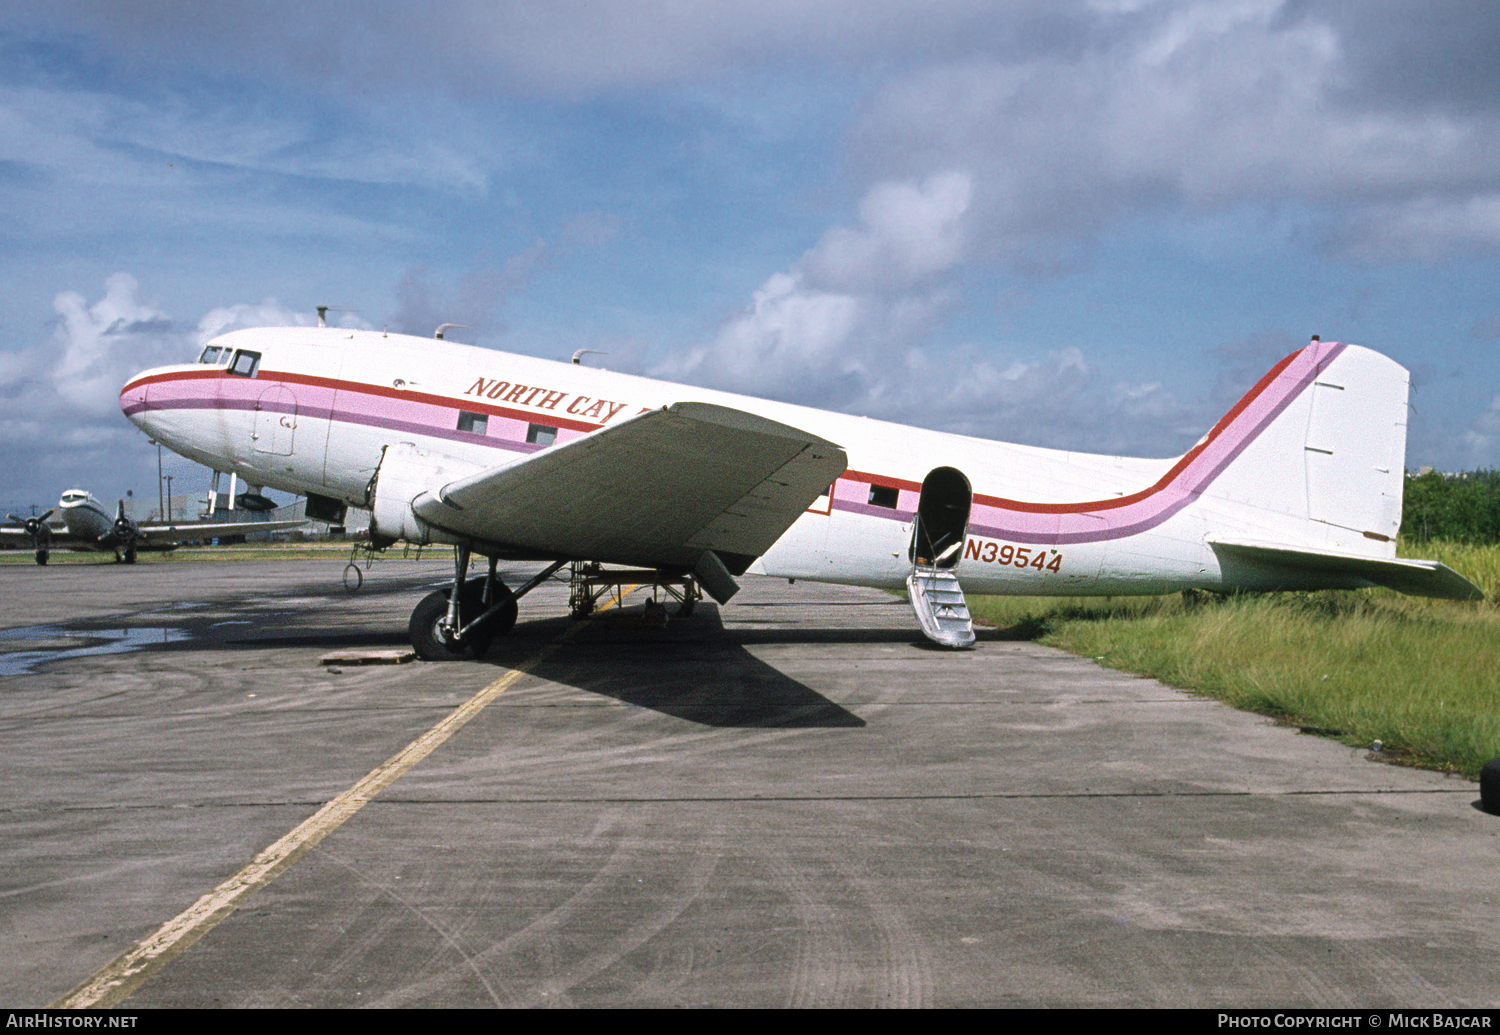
[(160, 506)]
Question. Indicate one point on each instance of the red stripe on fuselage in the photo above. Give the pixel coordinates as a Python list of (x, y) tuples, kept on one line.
[(546, 417)]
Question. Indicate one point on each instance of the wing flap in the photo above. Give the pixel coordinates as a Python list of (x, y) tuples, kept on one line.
[(1415, 577), (658, 489)]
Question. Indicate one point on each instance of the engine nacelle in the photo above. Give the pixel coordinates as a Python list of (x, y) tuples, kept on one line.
[(406, 473)]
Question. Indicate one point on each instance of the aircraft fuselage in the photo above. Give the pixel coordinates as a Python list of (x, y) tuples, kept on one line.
[(311, 410), (86, 518)]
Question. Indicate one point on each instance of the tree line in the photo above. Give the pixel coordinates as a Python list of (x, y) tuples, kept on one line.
[(1463, 508)]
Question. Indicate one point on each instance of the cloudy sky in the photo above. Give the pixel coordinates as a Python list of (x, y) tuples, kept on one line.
[(1077, 223)]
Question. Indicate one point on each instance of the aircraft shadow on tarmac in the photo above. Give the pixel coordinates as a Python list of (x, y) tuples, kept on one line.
[(695, 670)]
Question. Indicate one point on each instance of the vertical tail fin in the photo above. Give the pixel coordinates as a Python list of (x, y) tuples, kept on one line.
[(1298, 486), (1321, 439), (1312, 456), (1318, 487)]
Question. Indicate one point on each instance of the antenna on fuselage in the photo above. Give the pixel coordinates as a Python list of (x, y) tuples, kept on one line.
[(578, 356), (323, 312), (443, 329)]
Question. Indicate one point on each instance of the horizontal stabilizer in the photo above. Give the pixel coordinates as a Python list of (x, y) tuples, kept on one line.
[(1418, 578)]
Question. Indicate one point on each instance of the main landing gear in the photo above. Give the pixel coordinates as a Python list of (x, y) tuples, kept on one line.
[(460, 622)]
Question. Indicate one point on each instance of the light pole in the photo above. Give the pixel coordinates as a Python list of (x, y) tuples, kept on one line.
[(161, 507)]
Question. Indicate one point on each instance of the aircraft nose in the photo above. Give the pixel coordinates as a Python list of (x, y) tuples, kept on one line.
[(134, 402)]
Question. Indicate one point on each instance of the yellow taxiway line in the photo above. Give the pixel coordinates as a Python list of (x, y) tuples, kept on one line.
[(110, 985)]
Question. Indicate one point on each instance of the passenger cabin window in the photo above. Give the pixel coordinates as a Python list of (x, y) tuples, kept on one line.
[(474, 423), (245, 364), (882, 496), (541, 434)]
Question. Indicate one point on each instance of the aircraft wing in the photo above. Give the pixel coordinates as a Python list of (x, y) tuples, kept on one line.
[(16, 535), (1418, 578), (160, 533), (661, 489)]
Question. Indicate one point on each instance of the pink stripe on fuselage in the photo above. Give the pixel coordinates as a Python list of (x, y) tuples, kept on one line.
[(1098, 520)]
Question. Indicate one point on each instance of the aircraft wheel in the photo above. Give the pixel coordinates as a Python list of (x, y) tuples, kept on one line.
[(505, 619), (42, 555), (130, 554), (432, 643), (1489, 787)]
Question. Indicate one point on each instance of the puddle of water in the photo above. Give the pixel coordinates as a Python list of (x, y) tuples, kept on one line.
[(115, 641)]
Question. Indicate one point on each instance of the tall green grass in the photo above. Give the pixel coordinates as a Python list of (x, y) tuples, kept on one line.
[(1422, 676)]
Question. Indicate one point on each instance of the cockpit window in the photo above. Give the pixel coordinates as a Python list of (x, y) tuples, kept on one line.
[(210, 354), (245, 364)]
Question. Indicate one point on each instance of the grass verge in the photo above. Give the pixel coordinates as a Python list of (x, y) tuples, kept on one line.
[(1421, 676)]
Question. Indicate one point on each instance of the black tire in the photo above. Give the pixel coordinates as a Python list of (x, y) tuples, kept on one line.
[(503, 620), (42, 555), (427, 637), (130, 554), (1489, 787)]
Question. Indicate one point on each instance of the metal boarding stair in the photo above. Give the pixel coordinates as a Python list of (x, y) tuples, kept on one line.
[(938, 601)]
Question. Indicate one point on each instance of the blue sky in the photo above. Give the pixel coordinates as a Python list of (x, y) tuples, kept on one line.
[(1076, 223)]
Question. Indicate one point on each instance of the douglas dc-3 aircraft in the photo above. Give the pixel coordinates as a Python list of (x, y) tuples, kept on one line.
[(91, 527), (509, 457)]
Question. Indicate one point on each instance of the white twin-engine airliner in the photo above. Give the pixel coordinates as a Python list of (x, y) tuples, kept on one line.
[(1297, 487), (88, 525)]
